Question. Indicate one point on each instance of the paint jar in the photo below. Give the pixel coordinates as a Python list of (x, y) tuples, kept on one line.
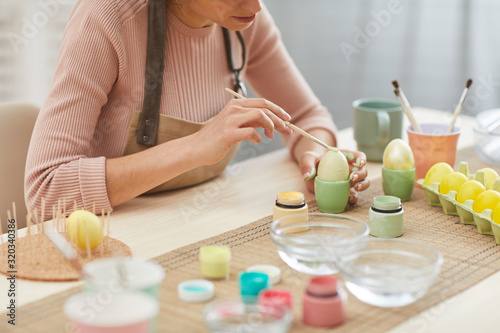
[(386, 217), (323, 302), (215, 261), (251, 284), (276, 298), (291, 203)]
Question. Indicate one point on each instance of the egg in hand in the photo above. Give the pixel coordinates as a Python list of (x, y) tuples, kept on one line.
[(398, 156), (82, 222), (333, 166)]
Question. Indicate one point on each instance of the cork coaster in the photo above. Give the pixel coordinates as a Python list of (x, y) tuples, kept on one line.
[(36, 258)]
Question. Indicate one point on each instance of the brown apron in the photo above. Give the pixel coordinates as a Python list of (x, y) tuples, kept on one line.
[(147, 127)]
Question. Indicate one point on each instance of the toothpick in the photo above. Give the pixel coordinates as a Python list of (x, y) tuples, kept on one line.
[(87, 241), (459, 106), (58, 215), (43, 216), (102, 231), (292, 126), (36, 220), (28, 223), (65, 227), (74, 203), (54, 222), (93, 208), (107, 227)]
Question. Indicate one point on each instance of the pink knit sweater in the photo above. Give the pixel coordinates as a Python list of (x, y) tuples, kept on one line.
[(99, 80)]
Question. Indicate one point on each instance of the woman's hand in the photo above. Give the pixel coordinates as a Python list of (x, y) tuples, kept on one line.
[(237, 122), (357, 160)]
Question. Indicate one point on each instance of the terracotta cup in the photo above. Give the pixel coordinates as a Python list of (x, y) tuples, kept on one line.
[(431, 146)]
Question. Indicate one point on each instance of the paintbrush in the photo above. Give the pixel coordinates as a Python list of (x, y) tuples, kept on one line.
[(292, 126), (459, 106), (406, 106)]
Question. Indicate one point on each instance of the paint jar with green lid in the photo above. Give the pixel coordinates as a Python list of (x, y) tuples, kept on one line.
[(386, 217)]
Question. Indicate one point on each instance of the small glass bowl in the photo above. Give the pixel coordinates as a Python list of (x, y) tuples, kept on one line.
[(309, 246), (487, 136), (227, 316), (389, 272)]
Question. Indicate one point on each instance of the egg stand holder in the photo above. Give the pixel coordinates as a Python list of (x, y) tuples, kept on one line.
[(485, 225), (35, 257)]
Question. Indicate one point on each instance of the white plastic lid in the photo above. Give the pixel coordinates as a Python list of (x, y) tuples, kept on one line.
[(196, 290), (273, 272), (119, 309)]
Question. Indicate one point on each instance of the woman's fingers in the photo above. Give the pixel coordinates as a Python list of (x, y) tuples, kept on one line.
[(258, 108)]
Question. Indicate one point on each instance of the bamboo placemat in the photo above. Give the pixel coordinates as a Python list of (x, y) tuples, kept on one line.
[(469, 258)]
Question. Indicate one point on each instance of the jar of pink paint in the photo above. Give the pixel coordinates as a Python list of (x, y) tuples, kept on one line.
[(323, 302)]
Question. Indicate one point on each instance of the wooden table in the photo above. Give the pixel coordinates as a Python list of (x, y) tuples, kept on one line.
[(156, 224)]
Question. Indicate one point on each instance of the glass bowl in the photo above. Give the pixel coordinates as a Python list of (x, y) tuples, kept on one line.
[(307, 242), (487, 136), (226, 316), (389, 272)]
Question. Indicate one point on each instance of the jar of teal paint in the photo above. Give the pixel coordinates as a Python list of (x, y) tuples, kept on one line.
[(386, 217)]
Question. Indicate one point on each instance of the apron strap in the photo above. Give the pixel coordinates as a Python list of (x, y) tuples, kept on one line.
[(155, 65)]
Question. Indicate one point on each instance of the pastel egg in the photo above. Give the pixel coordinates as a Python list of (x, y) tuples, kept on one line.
[(82, 222), (333, 166), (398, 156)]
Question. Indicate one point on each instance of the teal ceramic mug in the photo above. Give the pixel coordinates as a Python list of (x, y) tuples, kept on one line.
[(376, 121)]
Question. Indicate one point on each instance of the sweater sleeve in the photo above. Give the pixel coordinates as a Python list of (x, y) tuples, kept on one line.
[(58, 164), (272, 74)]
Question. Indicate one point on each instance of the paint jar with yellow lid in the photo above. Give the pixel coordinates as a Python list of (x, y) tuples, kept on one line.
[(291, 203)]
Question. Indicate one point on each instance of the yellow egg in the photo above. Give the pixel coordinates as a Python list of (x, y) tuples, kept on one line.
[(333, 166), (398, 156), (76, 229), (488, 199), (495, 216), (489, 176), (436, 173), (452, 182), (469, 191)]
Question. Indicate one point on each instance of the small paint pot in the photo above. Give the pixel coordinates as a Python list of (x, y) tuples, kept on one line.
[(272, 271), (215, 260), (386, 217), (127, 312), (276, 298), (323, 303), (119, 274), (195, 291), (251, 284)]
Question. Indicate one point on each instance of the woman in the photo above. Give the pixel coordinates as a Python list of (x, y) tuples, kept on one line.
[(98, 140)]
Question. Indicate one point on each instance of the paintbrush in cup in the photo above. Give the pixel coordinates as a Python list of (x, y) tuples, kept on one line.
[(458, 109), (292, 126), (406, 106)]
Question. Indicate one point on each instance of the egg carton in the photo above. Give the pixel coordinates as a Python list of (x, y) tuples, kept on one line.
[(450, 206)]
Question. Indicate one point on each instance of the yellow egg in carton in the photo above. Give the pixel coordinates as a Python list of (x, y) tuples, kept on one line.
[(448, 201)]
